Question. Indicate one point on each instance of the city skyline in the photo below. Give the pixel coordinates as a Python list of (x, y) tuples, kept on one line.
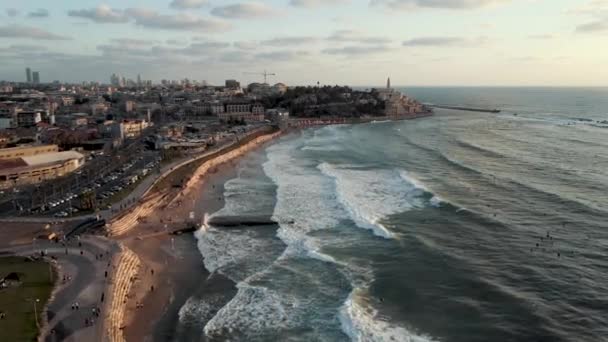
[(417, 42)]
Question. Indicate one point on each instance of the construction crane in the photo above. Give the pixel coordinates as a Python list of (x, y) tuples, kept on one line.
[(265, 74)]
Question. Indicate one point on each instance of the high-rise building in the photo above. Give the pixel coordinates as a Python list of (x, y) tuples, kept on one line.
[(36, 77), (115, 80), (28, 75), (138, 80)]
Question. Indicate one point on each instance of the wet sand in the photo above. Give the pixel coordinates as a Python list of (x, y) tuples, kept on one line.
[(179, 272)]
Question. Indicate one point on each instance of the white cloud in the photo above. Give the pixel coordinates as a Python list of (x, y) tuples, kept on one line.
[(151, 19), (245, 45), (444, 42), (182, 21), (597, 11), (356, 37), (101, 14), (39, 13), (187, 4), (295, 40), (593, 27), (245, 10), (12, 12), (356, 50), (176, 42), (29, 32), (445, 4), (317, 3)]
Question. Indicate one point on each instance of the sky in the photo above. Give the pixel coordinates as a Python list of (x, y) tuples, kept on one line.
[(350, 42)]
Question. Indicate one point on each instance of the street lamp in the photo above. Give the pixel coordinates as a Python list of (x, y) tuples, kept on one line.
[(36, 312)]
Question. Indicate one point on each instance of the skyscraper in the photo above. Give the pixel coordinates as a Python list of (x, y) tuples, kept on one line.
[(115, 80), (28, 75), (36, 77)]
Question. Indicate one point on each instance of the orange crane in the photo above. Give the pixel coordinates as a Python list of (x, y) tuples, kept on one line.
[(265, 74)]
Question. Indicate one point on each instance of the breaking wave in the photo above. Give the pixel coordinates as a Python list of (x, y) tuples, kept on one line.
[(360, 321)]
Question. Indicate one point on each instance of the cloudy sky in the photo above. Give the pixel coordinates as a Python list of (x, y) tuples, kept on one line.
[(355, 42)]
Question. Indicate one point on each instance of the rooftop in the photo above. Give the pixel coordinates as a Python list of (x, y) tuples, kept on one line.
[(48, 158)]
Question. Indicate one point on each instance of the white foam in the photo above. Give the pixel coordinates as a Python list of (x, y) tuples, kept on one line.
[(360, 321), (230, 252), (371, 195), (328, 148), (410, 178), (252, 310), (436, 201), (302, 194), (195, 311)]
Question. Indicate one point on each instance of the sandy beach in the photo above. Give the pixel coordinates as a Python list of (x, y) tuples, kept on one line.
[(171, 267)]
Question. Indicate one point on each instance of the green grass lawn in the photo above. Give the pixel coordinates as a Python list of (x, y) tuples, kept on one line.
[(17, 302)]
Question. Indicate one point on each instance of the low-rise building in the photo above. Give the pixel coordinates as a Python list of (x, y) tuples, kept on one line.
[(236, 111), (130, 129), (6, 89), (27, 151), (28, 118), (38, 168)]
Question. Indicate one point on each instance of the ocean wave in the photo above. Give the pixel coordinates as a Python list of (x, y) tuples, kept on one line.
[(322, 148), (196, 311), (254, 309), (360, 321), (371, 195), (479, 149), (300, 194)]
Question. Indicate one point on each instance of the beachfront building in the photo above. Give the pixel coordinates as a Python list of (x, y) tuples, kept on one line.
[(37, 168), (27, 151), (247, 111)]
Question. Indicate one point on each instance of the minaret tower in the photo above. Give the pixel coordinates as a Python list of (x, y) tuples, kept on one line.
[(388, 83)]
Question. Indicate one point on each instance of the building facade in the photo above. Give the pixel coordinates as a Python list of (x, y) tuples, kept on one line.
[(38, 168), (27, 151), (236, 111)]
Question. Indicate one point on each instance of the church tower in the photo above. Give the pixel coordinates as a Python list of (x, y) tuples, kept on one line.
[(388, 83)]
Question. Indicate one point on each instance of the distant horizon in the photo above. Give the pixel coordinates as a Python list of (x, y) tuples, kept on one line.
[(158, 82), (425, 43)]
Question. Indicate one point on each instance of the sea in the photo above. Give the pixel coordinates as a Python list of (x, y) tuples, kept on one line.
[(463, 226)]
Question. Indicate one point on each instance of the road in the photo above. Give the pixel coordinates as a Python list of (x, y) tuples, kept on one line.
[(84, 268), (128, 201)]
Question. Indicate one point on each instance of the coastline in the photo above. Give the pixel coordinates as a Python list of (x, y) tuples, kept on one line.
[(170, 266)]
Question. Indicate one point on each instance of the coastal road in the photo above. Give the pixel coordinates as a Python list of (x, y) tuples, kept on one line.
[(144, 186)]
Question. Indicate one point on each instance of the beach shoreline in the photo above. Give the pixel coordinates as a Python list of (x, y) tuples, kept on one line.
[(171, 266)]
